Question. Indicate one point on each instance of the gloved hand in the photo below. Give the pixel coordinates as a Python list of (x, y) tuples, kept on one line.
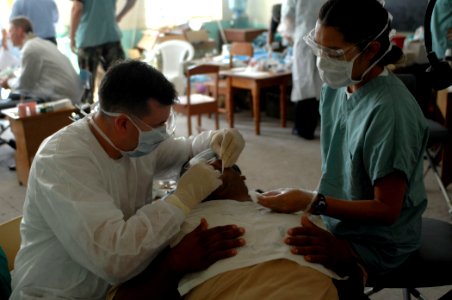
[(195, 185), (228, 144), (286, 200)]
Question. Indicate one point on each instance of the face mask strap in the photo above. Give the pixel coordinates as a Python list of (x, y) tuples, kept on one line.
[(103, 135), (380, 58)]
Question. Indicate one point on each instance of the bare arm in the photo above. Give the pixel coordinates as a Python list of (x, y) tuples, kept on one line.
[(197, 251), (389, 192), (157, 280), (127, 7), (76, 14)]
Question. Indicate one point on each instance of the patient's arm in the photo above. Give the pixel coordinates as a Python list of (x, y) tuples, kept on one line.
[(197, 251)]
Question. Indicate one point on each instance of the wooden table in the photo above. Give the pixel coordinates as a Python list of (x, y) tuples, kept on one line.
[(29, 132), (242, 35), (255, 81)]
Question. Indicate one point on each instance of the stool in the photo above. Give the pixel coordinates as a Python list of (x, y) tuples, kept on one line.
[(429, 266)]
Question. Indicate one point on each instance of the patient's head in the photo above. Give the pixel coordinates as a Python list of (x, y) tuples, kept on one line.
[(233, 186)]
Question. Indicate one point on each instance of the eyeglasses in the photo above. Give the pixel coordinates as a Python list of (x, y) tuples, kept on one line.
[(170, 123), (322, 51), (339, 54)]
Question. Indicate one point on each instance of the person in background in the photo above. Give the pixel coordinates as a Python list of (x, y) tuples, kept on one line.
[(89, 219), (45, 73), (43, 14), (299, 16), (441, 27), (371, 193), (273, 25), (95, 36)]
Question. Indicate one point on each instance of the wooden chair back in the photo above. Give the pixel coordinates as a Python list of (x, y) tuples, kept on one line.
[(240, 48), (193, 103)]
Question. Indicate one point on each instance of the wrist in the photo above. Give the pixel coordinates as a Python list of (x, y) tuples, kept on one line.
[(175, 201), (318, 205)]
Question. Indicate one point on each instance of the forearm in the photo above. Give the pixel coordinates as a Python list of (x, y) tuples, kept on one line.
[(127, 7), (384, 208), (363, 211), (76, 14), (157, 281)]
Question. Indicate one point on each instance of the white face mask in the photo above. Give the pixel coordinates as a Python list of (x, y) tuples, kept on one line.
[(334, 72), (338, 73), (148, 141)]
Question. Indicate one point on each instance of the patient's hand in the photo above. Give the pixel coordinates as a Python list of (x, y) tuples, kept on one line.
[(204, 246), (286, 200), (320, 246)]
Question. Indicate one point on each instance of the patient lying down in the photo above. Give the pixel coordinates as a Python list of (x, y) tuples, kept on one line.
[(264, 268)]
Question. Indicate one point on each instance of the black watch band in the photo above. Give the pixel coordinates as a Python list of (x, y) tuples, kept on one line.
[(319, 205)]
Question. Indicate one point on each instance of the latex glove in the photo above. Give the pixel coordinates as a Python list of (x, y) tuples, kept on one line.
[(195, 185), (286, 200), (228, 144)]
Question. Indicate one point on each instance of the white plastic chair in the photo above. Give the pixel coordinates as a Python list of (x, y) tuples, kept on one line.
[(174, 53)]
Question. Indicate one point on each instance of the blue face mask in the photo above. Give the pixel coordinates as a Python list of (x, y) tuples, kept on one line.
[(148, 141)]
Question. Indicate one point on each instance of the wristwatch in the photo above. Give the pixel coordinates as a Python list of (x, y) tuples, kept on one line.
[(319, 205)]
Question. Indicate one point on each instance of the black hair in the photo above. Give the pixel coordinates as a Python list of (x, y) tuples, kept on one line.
[(22, 22), (128, 85), (360, 22)]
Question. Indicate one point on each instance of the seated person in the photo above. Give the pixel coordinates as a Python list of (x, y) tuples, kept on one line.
[(45, 73), (263, 268)]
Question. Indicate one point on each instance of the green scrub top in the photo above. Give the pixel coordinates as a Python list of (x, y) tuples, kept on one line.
[(97, 24), (441, 22), (379, 129)]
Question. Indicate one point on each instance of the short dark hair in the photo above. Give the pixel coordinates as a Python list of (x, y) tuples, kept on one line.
[(22, 22), (360, 21), (128, 85)]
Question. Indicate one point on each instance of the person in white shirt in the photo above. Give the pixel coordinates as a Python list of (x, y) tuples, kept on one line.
[(89, 219), (45, 72)]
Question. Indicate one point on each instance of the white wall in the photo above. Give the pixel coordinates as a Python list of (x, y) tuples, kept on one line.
[(259, 11)]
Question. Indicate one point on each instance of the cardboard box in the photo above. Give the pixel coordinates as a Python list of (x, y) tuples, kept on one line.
[(196, 36)]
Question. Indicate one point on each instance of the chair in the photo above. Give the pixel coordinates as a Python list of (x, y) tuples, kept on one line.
[(240, 49), (198, 104), (438, 137), (10, 239), (174, 53), (236, 49), (429, 266)]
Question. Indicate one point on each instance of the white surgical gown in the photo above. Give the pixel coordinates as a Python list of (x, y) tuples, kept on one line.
[(305, 76), (88, 220)]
